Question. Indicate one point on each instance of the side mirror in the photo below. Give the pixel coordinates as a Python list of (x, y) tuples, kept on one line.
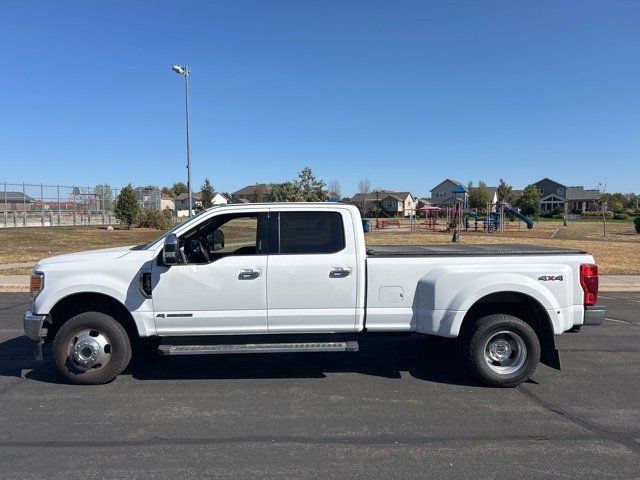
[(170, 252), (216, 240)]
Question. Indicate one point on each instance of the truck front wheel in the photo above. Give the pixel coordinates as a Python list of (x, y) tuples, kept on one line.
[(91, 348), (502, 350)]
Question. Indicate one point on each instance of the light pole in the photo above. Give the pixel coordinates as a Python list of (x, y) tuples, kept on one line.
[(377, 209), (603, 200), (184, 71)]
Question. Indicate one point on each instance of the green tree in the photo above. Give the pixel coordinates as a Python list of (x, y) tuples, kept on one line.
[(636, 222), (127, 208), (307, 188), (168, 191), (311, 188), (479, 196), (179, 188), (528, 202), (285, 192), (207, 193), (504, 192), (104, 196)]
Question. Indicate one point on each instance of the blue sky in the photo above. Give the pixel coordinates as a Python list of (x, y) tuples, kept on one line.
[(404, 93)]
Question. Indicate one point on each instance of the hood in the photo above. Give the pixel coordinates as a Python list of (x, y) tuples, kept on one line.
[(88, 256)]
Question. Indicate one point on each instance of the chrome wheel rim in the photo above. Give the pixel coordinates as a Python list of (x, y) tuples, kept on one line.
[(505, 352), (89, 349)]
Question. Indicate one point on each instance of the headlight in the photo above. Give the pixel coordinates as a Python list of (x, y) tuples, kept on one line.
[(36, 284)]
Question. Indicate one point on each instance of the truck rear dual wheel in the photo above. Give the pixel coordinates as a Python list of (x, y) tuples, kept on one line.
[(91, 348), (502, 350)]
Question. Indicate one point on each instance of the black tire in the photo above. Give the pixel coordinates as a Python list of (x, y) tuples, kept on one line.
[(112, 346), (502, 332)]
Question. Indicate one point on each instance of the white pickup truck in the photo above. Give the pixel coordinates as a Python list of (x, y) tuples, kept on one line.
[(260, 278)]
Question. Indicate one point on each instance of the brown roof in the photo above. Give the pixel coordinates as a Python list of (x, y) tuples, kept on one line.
[(194, 196), (260, 188), (371, 196)]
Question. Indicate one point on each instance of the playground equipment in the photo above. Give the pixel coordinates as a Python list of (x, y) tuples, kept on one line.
[(494, 221), (456, 217), (510, 211)]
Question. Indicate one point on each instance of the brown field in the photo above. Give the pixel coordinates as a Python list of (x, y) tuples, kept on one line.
[(30, 244), (617, 253)]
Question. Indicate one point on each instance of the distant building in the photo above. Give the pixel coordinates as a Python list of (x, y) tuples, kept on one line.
[(555, 195), (252, 193), (391, 204), (182, 202), (167, 201), (15, 202), (449, 192)]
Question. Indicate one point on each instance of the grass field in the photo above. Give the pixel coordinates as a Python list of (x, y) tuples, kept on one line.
[(617, 253)]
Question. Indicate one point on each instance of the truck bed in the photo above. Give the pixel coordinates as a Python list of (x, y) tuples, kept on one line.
[(469, 250)]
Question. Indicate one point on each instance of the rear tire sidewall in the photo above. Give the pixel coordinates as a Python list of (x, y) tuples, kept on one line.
[(485, 328), (119, 341)]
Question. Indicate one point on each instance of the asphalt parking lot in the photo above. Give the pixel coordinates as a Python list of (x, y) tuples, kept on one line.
[(400, 408)]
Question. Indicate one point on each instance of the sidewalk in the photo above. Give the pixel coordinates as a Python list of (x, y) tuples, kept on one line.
[(608, 283)]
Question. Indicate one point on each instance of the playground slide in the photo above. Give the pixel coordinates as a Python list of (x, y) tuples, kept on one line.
[(516, 214)]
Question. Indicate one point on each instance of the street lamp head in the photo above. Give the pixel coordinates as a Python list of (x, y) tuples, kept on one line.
[(180, 70)]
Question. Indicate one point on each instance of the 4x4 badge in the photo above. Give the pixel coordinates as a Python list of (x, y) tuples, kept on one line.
[(550, 278)]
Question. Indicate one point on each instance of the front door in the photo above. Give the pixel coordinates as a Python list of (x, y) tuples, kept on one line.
[(222, 290), (312, 275)]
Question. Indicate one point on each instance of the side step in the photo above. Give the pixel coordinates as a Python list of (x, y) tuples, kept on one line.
[(350, 346)]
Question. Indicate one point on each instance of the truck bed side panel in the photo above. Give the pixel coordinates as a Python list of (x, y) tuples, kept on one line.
[(431, 294)]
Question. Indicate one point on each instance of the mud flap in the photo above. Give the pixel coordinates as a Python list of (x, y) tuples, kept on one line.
[(550, 357)]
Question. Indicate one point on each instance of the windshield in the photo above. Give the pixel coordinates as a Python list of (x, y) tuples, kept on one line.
[(145, 246)]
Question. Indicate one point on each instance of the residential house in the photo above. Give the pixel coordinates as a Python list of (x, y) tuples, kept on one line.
[(15, 201), (399, 204), (182, 202), (555, 195), (390, 204), (167, 201), (449, 192), (252, 193)]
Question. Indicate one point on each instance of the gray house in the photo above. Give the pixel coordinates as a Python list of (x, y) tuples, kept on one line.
[(449, 192), (555, 195)]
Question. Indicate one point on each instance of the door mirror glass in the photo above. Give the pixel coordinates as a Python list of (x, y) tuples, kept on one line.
[(216, 240), (170, 252)]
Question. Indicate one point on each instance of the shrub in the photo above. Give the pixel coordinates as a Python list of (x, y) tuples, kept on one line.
[(620, 216), (636, 221), (159, 220), (126, 208)]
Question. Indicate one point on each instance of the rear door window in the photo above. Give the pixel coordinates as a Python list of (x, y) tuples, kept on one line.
[(311, 232)]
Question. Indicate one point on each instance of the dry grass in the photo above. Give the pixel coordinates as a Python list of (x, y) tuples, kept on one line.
[(617, 254), (16, 271), (31, 244)]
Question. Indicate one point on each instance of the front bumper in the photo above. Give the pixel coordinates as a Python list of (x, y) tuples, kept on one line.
[(33, 328), (594, 314)]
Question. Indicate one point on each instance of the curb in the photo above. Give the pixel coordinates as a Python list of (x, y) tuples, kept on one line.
[(619, 288)]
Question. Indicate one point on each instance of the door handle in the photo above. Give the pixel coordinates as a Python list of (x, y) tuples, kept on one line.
[(340, 272), (248, 274)]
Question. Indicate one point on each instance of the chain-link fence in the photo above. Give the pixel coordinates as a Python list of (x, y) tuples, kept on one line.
[(39, 205)]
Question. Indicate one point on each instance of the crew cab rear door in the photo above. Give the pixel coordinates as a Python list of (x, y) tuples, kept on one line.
[(312, 273)]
